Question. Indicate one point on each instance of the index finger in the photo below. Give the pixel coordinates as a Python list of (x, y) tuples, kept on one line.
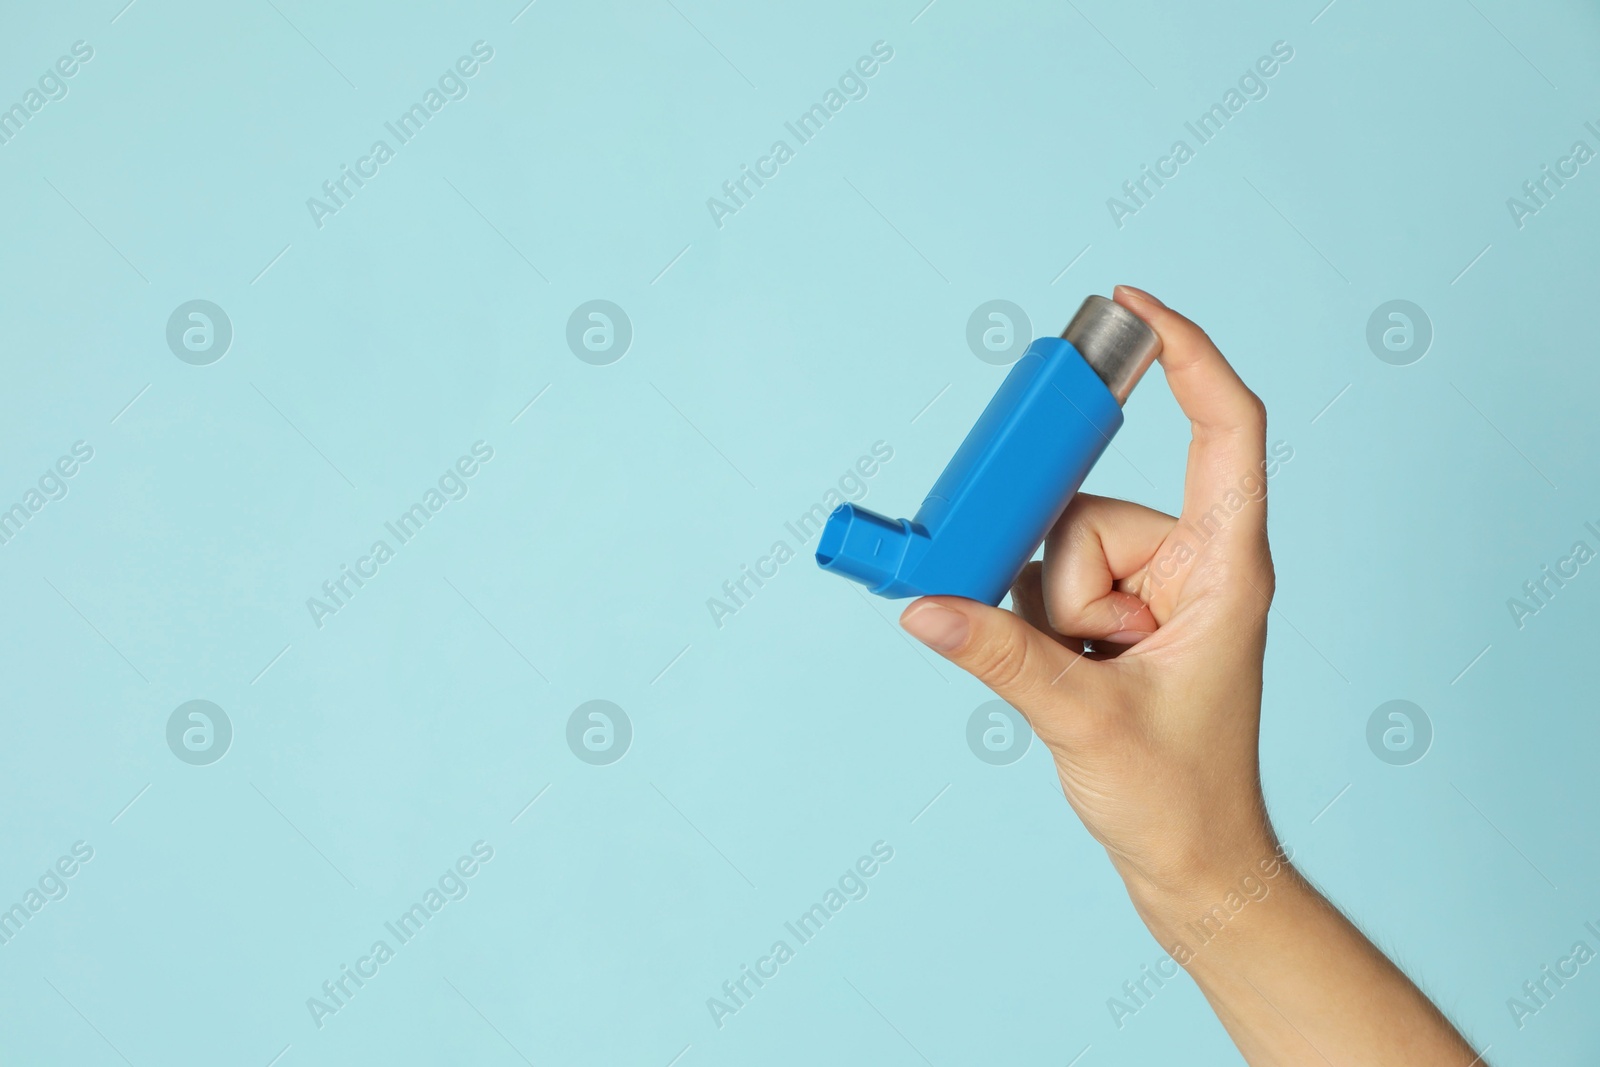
[(1228, 422), (1206, 386)]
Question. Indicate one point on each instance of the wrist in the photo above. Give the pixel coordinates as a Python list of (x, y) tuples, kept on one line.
[(1187, 910)]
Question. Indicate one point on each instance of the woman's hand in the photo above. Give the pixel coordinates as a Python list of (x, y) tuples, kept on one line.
[(1154, 733)]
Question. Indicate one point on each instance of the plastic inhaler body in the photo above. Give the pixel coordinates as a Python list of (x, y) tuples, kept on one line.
[(1012, 477)]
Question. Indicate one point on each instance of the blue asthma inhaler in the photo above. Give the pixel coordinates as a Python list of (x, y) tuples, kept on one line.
[(1012, 477)]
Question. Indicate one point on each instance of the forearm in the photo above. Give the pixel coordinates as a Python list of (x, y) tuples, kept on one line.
[(1295, 982)]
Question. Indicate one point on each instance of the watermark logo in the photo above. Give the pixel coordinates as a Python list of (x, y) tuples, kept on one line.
[(1537, 592), (452, 85), (737, 192), (453, 884), (52, 485), (852, 885), (51, 886), (1399, 332), (998, 332), (998, 734), (599, 732), (51, 86), (199, 732), (1538, 191), (599, 332), (199, 332), (738, 591), (1538, 992), (1137, 993), (453, 484), (1252, 887), (1139, 191), (1399, 733)]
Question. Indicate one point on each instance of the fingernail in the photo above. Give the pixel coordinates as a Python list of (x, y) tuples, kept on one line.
[(1127, 637), (937, 627), (1140, 294)]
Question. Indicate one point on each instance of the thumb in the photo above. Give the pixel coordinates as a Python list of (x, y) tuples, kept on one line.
[(996, 647)]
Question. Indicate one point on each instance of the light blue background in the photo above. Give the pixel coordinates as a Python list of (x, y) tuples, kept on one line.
[(769, 354)]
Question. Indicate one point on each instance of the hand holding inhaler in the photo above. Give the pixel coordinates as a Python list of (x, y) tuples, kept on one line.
[(1135, 651)]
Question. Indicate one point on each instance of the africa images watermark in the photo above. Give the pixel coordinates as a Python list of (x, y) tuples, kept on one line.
[(1537, 593), (1538, 192), (51, 86), (1252, 85), (452, 885), (1190, 534), (52, 885), (452, 85), (338, 591), (852, 486), (1537, 993), (52, 485), (1249, 890), (852, 885), (852, 85)]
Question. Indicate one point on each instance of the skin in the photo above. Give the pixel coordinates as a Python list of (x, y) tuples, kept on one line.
[(1155, 733)]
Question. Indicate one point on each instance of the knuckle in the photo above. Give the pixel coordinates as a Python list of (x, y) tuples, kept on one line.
[(1261, 583), (1073, 615), (1067, 607), (1254, 412), (1061, 621), (1269, 579), (1002, 663)]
